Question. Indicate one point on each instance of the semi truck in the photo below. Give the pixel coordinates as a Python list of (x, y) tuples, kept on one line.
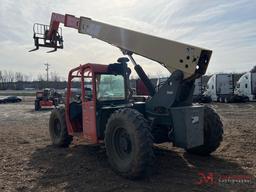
[(220, 87), (246, 86), (199, 96)]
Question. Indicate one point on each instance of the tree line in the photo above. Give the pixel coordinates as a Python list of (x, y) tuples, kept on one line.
[(19, 81)]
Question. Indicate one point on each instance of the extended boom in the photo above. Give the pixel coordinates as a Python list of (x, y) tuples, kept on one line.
[(191, 60)]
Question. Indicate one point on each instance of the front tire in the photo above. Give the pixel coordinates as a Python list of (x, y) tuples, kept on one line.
[(213, 131), (129, 143), (58, 128)]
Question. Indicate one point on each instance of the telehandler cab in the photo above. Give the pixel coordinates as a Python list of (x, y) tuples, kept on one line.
[(105, 110)]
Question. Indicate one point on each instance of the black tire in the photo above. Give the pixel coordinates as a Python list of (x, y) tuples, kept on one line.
[(58, 128), (129, 143), (213, 131), (37, 105)]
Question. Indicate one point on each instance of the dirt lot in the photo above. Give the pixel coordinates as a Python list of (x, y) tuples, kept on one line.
[(29, 163)]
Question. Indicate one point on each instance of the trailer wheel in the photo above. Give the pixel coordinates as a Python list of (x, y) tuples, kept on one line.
[(58, 129), (37, 105), (129, 143), (213, 131)]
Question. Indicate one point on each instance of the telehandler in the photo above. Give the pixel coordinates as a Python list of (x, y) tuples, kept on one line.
[(46, 98), (105, 111)]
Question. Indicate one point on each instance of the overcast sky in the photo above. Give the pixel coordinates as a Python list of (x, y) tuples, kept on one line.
[(226, 27)]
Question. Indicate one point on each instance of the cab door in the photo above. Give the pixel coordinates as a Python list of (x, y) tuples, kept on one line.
[(89, 108)]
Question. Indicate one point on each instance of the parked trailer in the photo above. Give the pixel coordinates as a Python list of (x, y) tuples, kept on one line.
[(220, 88), (198, 95), (246, 86)]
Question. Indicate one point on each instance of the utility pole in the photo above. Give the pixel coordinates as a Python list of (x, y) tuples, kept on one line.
[(47, 72)]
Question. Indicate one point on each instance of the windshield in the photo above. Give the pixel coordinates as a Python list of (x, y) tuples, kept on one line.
[(110, 87)]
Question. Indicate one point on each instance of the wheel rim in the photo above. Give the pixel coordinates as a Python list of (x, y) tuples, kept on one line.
[(122, 143), (57, 128)]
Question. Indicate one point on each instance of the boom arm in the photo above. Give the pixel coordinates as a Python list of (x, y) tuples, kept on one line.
[(192, 61), (68, 21)]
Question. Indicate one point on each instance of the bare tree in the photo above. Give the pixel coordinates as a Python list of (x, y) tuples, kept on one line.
[(26, 78), (55, 78), (19, 77), (41, 81), (1, 80), (18, 80), (40, 77), (11, 78), (5, 79)]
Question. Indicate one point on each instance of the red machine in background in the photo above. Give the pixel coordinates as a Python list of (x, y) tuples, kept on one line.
[(47, 98), (141, 89)]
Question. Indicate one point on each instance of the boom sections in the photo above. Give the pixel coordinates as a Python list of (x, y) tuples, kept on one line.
[(191, 60)]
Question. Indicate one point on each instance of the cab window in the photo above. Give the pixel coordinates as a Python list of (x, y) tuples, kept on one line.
[(110, 87)]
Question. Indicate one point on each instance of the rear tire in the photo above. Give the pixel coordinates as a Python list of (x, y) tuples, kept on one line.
[(129, 143), (58, 128), (213, 131)]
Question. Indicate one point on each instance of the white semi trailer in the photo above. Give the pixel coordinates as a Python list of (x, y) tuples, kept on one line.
[(198, 94), (220, 88), (246, 86)]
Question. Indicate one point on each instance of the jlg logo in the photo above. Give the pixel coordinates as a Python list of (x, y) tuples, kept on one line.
[(205, 179)]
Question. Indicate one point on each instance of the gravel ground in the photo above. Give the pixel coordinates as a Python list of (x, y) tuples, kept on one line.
[(28, 162)]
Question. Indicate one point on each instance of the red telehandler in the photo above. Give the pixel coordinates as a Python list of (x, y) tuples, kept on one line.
[(105, 112), (47, 99)]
